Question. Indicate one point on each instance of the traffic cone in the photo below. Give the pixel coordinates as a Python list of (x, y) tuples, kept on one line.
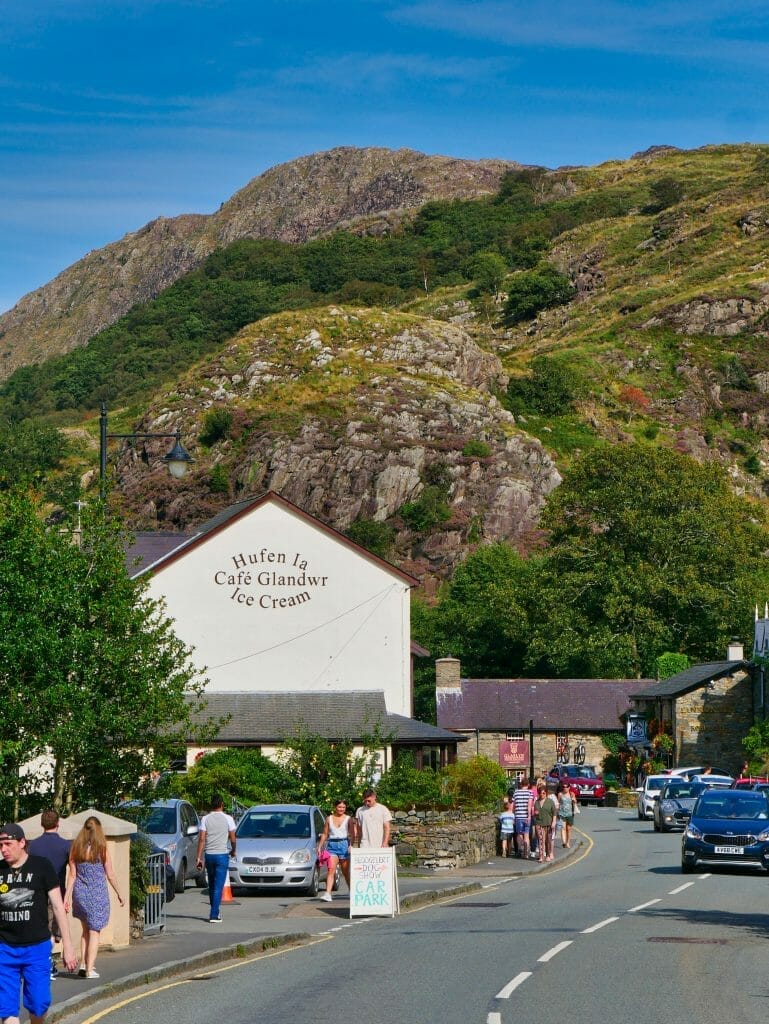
[(227, 892)]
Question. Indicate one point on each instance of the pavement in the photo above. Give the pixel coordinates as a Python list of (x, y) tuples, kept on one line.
[(253, 923)]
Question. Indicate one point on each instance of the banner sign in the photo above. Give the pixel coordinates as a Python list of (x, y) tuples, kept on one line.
[(373, 883), (514, 753)]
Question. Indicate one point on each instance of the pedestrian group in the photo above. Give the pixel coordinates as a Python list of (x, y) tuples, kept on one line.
[(531, 818)]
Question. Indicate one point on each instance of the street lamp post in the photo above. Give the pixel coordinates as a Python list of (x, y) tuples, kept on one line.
[(177, 460)]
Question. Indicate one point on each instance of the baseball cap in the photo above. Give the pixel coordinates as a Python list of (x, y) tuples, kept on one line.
[(12, 831)]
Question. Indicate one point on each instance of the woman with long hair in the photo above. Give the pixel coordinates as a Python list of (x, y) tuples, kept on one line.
[(90, 869), (338, 834)]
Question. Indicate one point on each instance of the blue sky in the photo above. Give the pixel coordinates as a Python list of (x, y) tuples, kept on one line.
[(114, 113)]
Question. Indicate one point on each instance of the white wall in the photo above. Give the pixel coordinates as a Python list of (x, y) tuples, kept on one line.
[(341, 624)]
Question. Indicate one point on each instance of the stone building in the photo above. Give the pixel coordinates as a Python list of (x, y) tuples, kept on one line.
[(707, 709), (495, 715)]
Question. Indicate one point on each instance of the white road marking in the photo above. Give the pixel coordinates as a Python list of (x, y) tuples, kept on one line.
[(494, 1018), (554, 951), (708, 875), (675, 892), (511, 986), (601, 924), (643, 906)]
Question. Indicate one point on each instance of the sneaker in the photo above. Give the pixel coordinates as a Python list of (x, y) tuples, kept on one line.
[(214, 920), (326, 897), (92, 974), (54, 972)]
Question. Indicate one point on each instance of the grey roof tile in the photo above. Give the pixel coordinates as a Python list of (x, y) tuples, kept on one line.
[(690, 679)]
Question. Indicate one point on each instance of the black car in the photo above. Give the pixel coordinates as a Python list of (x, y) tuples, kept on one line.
[(727, 826)]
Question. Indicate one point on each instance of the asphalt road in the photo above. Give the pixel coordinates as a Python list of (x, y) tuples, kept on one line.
[(617, 934)]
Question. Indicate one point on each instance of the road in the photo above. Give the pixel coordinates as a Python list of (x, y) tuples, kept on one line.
[(616, 934)]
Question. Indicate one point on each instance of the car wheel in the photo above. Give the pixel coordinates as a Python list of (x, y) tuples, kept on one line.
[(656, 826), (599, 803), (201, 880), (641, 816), (181, 876), (337, 880), (687, 868), (314, 886)]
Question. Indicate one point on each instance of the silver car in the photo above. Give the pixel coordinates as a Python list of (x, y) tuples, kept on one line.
[(277, 845), (647, 794), (174, 826), (674, 806)]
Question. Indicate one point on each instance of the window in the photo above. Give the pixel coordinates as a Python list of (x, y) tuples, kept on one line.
[(515, 736)]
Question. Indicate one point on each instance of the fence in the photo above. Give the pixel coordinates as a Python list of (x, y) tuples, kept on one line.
[(155, 899)]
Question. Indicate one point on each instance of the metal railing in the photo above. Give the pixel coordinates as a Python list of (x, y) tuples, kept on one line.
[(155, 898)]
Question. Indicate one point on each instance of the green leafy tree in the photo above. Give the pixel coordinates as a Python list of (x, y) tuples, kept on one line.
[(489, 270), (376, 537), (670, 664), (327, 770), (649, 552), (240, 774), (477, 783), (553, 386), (91, 673), (404, 785), (532, 291)]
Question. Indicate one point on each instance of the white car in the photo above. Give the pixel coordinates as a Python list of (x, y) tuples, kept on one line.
[(689, 773), (714, 781), (646, 794)]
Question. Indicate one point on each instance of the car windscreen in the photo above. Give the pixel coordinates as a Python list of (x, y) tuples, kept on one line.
[(731, 805), (683, 790), (158, 821), (274, 825), (657, 781)]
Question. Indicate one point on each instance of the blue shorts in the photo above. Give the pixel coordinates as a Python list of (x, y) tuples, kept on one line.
[(32, 966), (521, 826), (339, 848)]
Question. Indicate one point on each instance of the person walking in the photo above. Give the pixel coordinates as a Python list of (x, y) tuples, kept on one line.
[(90, 873), (373, 822), (566, 812), (217, 832), (25, 941), (522, 804), (507, 827), (337, 835), (544, 815), (56, 849)]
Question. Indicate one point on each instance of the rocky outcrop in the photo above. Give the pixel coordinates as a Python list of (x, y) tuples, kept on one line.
[(369, 188), (351, 414), (724, 316)]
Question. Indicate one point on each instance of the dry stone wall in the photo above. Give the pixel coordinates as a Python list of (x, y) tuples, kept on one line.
[(445, 840)]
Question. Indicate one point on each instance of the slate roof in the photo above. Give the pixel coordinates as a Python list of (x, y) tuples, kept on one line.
[(502, 705), (690, 679), (151, 546), (271, 717)]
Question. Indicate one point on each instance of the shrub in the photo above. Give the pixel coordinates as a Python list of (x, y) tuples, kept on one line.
[(217, 424), (664, 192), (477, 783), (671, 663), (531, 291), (242, 775), (404, 785), (429, 510), (139, 875), (554, 385), (476, 449), (219, 481), (373, 536)]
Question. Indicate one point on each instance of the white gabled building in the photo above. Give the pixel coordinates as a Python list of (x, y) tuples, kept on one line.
[(275, 603)]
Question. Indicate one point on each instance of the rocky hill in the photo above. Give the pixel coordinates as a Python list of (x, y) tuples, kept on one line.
[(369, 188), (353, 414)]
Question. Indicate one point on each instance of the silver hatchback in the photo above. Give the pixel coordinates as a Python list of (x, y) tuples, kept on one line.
[(277, 845)]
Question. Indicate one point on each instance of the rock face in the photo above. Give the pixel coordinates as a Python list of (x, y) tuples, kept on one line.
[(726, 316), (367, 188), (351, 414)]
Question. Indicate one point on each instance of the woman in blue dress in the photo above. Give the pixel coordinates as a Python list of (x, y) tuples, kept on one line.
[(90, 869)]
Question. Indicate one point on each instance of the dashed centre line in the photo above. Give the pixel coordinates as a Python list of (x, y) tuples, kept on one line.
[(675, 892), (643, 906), (601, 924), (554, 951), (511, 986)]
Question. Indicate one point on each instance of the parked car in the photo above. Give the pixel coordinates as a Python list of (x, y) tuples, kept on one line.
[(170, 875), (277, 846), (750, 782), (673, 808), (689, 772), (583, 778), (727, 826), (174, 825), (647, 793), (714, 781)]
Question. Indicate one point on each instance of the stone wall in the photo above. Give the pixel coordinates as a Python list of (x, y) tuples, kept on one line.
[(487, 744), (444, 840), (711, 721)]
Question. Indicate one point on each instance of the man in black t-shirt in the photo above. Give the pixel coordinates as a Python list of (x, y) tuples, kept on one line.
[(27, 885)]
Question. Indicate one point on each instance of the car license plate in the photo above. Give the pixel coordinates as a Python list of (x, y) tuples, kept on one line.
[(728, 849), (264, 869)]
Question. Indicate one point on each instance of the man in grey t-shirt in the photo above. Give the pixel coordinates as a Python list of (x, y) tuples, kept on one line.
[(373, 822), (217, 833)]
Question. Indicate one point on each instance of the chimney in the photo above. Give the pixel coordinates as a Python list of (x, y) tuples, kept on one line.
[(735, 652), (447, 674)]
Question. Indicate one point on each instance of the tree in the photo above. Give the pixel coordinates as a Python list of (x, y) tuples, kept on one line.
[(489, 270), (649, 552), (531, 291), (92, 676), (328, 770)]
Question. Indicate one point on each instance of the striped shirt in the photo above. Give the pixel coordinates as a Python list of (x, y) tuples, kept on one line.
[(522, 804)]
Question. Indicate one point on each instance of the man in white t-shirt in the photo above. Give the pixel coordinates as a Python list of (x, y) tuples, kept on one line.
[(217, 839), (373, 820)]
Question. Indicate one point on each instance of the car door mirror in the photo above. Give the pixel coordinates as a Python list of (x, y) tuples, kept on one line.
[(192, 830)]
